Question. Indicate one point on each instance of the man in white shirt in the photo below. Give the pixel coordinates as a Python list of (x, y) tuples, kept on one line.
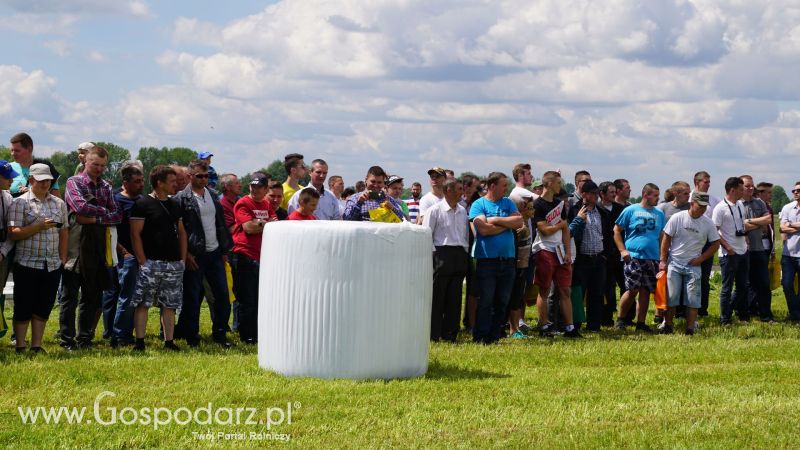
[(729, 218), (448, 223), (328, 207), (790, 260), (522, 179), (685, 236), (438, 177)]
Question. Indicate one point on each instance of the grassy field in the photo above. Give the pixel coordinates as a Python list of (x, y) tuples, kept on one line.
[(723, 388)]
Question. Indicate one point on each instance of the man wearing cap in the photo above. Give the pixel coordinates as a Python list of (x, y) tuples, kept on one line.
[(252, 212), (91, 200), (593, 230), (394, 189), (360, 204), (412, 202), (295, 170), (37, 222), (208, 241), (22, 153), (212, 174), (438, 177), (328, 205), (7, 175), (702, 183), (685, 236), (83, 148)]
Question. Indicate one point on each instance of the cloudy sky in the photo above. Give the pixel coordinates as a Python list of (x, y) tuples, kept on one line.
[(649, 91)]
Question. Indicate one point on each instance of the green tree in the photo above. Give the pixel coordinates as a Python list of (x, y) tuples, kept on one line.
[(779, 198), (5, 153), (153, 156), (65, 163), (116, 157), (276, 171)]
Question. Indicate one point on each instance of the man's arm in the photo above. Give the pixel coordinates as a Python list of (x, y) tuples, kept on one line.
[(485, 228), (352, 210), (620, 243), (183, 243), (758, 222), (137, 225), (108, 214), (512, 222), (666, 243), (725, 244), (709, 253)]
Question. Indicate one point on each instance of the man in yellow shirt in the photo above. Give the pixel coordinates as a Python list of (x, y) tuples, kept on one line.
[(295, 170)]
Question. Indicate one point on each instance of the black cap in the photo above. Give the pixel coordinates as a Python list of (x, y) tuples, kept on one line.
[(589, 186), (259, 179)]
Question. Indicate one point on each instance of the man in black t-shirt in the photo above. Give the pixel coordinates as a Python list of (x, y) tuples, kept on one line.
[(159, 244)]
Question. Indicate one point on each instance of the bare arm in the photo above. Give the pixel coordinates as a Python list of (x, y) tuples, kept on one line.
[(136, 240), (621, 243), (547, 230), (511, 222), (485, 228), (666, 243), (725, 244)]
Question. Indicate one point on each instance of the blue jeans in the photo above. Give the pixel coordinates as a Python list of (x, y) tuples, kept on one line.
[(735, 270), (790, 267), (117, 310), (495, 280), (211, 267), (683, 282)]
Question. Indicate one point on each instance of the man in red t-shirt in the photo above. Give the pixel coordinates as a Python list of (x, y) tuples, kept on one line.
[(251, 212)]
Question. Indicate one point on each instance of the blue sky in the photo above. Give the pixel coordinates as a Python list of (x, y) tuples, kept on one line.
[(649, 91)]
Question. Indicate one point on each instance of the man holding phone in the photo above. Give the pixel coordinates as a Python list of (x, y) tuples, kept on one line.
[(360, 204)]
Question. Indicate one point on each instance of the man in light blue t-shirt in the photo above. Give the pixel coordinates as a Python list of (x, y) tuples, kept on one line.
[(493, 217), (22, 153), (637, 234)]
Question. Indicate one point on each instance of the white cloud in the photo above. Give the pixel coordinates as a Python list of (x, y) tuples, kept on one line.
[(96, 56), (193, 31), (60, 47), (26, 95)]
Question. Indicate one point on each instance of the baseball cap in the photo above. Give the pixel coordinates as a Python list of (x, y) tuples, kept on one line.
[(204, 155), (85, 146), (6, 171), (701, 198), (437, 171), (589, 186), (40, 172), (259, 179), (393, 179)]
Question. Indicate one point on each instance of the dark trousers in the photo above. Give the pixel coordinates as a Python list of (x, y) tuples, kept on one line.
[(94, 280), (211, 267), (246, 291), (735, 271), (449, 270), (759, 295), (590, 274), (67, 305), (705, 282), (613, 272), (790, 267), (495, 277)]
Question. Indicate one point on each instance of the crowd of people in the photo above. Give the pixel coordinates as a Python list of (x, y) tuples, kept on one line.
[(111, 252)]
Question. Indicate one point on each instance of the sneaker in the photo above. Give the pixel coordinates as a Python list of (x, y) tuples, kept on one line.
[(689, 332), (573, 334), (643, 328), (225, 343), (666, 329), (696, 325), (619, 324), (518, 335), (548, 330), (37, 350), (524, 327), (658, 320), (661, 326)]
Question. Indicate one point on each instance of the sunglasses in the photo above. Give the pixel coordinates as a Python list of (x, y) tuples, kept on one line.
[(201, 175), (795, 191)]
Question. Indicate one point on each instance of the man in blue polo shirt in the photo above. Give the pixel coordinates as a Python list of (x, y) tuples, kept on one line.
[(493, 217)]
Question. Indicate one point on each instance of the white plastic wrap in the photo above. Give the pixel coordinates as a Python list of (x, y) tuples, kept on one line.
[(345, 299)]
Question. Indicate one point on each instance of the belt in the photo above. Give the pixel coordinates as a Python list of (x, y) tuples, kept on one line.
[(500, 259)]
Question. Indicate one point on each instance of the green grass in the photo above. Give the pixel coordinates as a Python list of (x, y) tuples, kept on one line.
[(724, 388)]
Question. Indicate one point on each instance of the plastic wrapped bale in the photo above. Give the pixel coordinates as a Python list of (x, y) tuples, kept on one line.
[(345, 299)]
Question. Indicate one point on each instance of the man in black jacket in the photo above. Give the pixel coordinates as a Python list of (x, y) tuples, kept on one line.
[(614, 275), (593, 230), (209, 239)]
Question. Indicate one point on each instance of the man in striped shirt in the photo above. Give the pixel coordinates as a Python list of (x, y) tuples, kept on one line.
[(413, 202)]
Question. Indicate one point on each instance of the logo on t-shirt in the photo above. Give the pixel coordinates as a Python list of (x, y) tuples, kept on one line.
[(262, 214), (554, 216)]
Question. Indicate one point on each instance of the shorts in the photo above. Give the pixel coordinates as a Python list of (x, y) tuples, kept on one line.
[(548, 271), (34, 292), (683, 280), (159, 283), (641, 274), (518, 290)]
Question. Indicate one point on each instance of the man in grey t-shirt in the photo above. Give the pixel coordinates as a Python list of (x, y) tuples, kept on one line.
[(759, 295), (680, 190)]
